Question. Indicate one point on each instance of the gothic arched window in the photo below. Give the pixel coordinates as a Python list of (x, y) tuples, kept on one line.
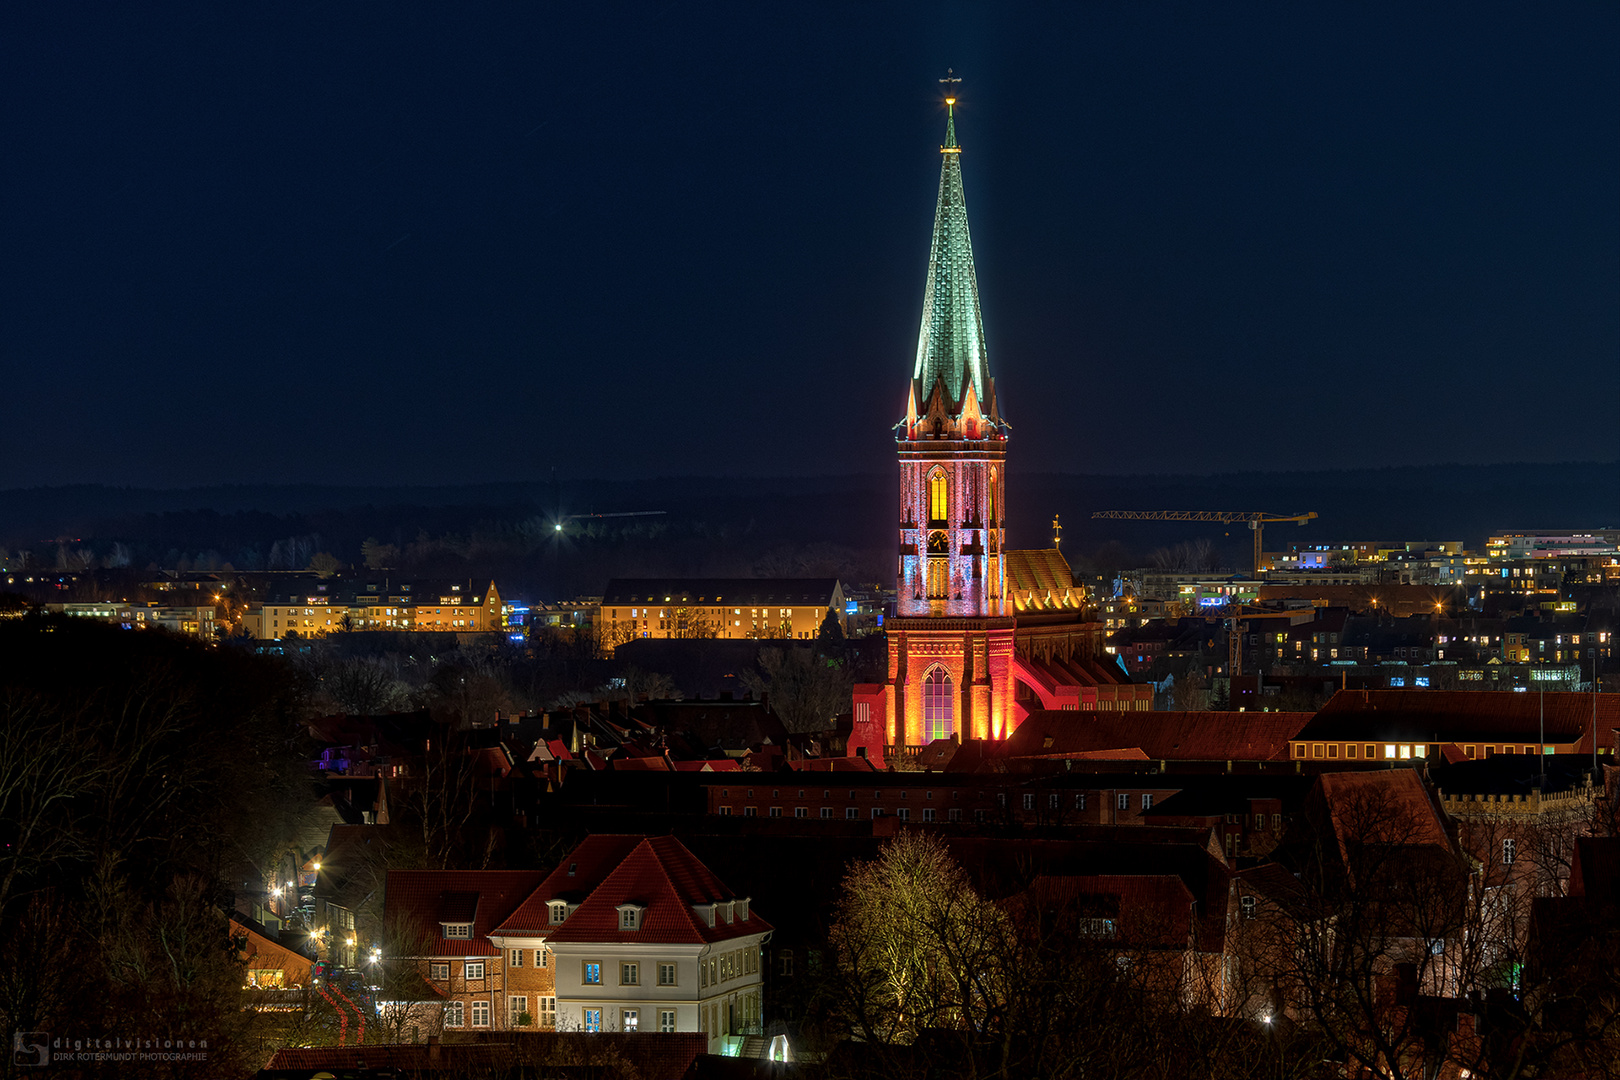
[(939, 708), (938, 501)]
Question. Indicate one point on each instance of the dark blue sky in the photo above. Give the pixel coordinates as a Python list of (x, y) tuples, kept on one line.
[(397, 243)]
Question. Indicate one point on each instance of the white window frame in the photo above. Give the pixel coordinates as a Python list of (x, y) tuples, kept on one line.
[(439, 970), (629, 1019), (672, 969), (629, 973), (666, 1020), (472, 969), (585, 973), (454, 1014), (514, 958), (516, 1006)]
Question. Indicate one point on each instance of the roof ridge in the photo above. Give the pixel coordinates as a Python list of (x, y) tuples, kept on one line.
[(686, 908)]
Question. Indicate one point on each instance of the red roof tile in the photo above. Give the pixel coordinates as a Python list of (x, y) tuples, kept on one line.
[(666, 879), (652, 1055), (1150, 908), (1386, 806), (1440, 716), (418, 900), (1173, 736), (586, 867)]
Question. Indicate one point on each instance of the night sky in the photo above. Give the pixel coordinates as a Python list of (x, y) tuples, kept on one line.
[(396, 243)]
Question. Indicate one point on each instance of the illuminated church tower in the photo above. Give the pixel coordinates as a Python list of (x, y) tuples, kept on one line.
[(952, 641), (981, 636), (953, 443)]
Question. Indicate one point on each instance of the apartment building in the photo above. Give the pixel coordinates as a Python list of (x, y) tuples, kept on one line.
[(737, 608), (315, 608)]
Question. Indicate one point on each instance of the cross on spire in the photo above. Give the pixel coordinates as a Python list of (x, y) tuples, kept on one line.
[(949, 83)]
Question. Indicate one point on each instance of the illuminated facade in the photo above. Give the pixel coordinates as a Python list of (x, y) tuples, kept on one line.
[(740, 608), (315, 609), (981, 635)]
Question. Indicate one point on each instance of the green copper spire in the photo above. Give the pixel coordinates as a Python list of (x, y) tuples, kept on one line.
[(951, 342)]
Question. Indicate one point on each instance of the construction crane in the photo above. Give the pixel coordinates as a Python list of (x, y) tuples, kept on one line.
[(1257, 520), (1235, 615)]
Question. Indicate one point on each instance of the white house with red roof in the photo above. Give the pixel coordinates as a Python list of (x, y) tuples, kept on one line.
[(661, 944), (628, 933)]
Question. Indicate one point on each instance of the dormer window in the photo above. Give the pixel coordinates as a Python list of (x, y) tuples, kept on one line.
[(559, 912), (460, 930), (742, 909), (630, 916), (728, 910), (705, 913)]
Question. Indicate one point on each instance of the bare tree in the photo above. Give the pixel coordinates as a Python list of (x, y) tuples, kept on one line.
[(366, 686), (806, 689), (440, 799)]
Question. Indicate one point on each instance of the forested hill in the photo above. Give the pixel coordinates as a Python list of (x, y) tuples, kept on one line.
[(715, 525)]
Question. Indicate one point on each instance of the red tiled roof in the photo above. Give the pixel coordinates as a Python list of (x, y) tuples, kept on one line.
[(718, 765), (1173, 736), (258, 951), (836, 764), (586, 867), (1462, 716), (666, 879), (1118, 753), (1151, 908), (418, 900), (640, 764), (651, 1055), (1387, 806)]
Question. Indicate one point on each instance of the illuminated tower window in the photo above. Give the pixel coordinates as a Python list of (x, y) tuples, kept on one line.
[(939, 566), (938, 505), (938, 711)]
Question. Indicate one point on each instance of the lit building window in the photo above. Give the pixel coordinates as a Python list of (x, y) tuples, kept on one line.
[(938, 505), (938, 711)]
